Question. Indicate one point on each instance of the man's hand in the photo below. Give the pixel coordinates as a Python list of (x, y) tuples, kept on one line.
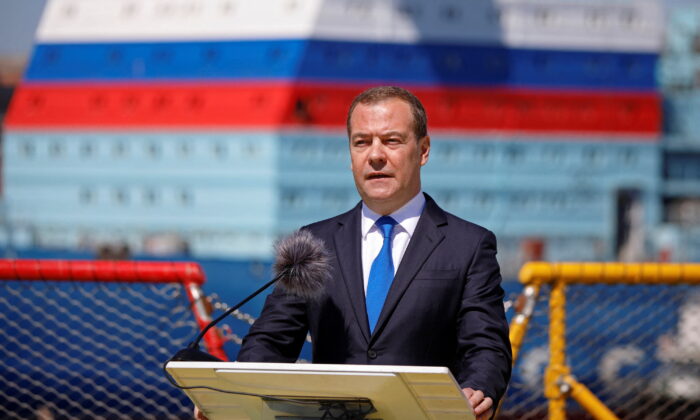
[(481, 404)]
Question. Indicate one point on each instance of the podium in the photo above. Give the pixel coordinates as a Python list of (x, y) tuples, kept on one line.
[(296, 391)]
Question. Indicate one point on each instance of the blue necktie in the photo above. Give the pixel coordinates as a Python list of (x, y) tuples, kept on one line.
[(381, 274)]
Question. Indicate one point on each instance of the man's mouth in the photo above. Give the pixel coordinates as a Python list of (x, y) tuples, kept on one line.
[(377, 175)]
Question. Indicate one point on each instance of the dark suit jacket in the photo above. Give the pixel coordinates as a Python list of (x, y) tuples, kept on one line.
[(444, 308)]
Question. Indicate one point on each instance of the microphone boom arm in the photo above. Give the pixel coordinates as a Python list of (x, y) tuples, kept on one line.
[(230, 310)]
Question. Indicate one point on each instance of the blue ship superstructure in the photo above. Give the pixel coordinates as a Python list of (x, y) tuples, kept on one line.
[(221, 123), (679, 77)]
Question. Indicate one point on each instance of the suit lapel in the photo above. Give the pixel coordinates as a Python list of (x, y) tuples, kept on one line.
[(425, 239), (349, 256)]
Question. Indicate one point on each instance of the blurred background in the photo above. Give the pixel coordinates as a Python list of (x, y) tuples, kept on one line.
[(207, 129), (204, 130)]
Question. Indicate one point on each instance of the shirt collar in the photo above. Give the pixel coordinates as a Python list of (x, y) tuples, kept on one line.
[(406, 217)]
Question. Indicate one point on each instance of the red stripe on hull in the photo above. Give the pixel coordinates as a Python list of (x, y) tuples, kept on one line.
[(325, 105)]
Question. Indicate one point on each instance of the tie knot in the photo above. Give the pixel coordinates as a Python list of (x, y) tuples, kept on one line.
[(386, 224)]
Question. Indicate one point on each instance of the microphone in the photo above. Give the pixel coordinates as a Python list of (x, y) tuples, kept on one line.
[(302, 266)]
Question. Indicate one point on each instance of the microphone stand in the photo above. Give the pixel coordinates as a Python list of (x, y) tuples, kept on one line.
[(192, 353)]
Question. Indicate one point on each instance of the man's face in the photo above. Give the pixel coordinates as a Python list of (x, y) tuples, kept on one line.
[(385, 155)]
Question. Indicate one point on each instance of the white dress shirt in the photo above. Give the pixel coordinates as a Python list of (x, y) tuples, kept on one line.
[(372, 238)]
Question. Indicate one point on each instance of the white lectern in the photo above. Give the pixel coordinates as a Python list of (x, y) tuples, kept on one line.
[(386, 392)]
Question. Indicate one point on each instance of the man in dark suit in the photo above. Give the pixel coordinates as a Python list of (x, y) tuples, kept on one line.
[(411, 284)]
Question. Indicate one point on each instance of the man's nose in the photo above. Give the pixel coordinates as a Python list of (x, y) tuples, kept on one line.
[(377, 154)]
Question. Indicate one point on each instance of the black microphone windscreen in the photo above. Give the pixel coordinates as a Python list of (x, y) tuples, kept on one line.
[(303, 263)]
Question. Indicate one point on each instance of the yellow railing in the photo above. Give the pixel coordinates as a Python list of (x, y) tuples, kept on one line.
[(559, 383)]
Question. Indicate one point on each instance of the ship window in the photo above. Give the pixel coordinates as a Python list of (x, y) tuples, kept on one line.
[(87, 149), (211, 54), (494, 16), (250, 150), (593, 155), (56, 149), (629, 18), (185, 197), (291, 5), (153, 150), (119, 149), (70, 10), (227, 7), (483, 200), (129, 9), (410, 10), (292, 199), (27, 148), (630, 157), (515, 153), (150, 196), (220, 150), (451, 13), (483, 153), (87, 196), (120, 196)]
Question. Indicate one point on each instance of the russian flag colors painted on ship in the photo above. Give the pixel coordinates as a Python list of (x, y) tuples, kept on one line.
[(491, 65)]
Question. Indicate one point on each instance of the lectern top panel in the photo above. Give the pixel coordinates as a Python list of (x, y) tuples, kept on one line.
[(397, 392)]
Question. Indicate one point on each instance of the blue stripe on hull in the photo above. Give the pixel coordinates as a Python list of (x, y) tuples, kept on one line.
[(317, 60)]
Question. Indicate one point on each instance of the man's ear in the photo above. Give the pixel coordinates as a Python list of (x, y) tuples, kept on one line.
[(424, 147)]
